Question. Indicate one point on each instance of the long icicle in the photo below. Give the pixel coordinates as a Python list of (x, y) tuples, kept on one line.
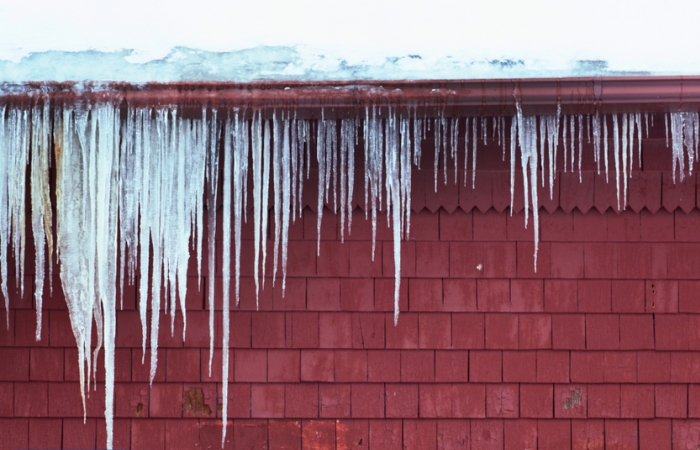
[(226, 271), (240, 180), (616, 142), (40, 202), (623, 171), (266, 157), (286, 186), (256, 140), (527, 139), (212, 182), (321, 158), (5, 212), (474, 141), (276, 187)]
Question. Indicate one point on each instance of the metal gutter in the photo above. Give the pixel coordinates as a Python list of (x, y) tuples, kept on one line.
[(451, 98)]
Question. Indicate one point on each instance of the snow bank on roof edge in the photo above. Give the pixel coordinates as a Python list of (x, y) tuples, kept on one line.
[(297, 63)]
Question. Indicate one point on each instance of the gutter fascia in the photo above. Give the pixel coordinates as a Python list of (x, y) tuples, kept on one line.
[(448, 98)]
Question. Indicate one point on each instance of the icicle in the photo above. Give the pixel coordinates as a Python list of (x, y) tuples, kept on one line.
[(596, 142), (266, 155), (176, 134), (194, 182), (580, 146), (466, 148), (564, 128), (684, 141), (212, 183), (406, 157), (379, 166), (553, 138), (513, 143), (630, 138), (616, 142), (366, 137), (257, 149), (40, 202), (393, 182), (646, 120), (605, 146), (484, 124), (624, 138), (374, 168), (543, 135), (277, 183), (553, 141), (666, 125), (502, 138), (527, 138), (240, 188), (690, 123), (86, 229), (294, 161), (107, 176), (158, 196), (474, 141), (17, 151), (678, 159), (302, 149), (343, 176), (454, 127), (443, 126), (70, 179), (321, 149), (418, 125), (308, 131), (130, 170), (260, 204), (437, 140), (332, 137), (443, 134), (638, 122), (397, 159), (190, 173), (347, 175), (4, 213), (572, 130), (588, 127), (556, 135), (352, 142), (142, 142), (286, 185), (694, 118)]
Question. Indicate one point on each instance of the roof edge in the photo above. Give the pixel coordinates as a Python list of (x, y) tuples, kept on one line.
[(450, 98)]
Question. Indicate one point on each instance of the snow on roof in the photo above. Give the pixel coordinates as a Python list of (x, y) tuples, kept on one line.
[(220, 40)]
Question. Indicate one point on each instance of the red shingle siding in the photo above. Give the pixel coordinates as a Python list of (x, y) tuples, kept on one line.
[(599, 347)]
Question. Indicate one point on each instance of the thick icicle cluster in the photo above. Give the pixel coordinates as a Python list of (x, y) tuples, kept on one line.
[(132, 184), (87, 177), (684, 129), (14, 126), (162, 168)]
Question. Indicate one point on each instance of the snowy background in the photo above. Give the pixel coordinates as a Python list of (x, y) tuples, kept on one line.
[(225, 40)]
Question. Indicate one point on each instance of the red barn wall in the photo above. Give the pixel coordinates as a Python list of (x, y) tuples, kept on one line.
[(597, 349)]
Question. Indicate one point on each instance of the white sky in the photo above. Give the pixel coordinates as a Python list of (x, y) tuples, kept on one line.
[(630, 35)]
